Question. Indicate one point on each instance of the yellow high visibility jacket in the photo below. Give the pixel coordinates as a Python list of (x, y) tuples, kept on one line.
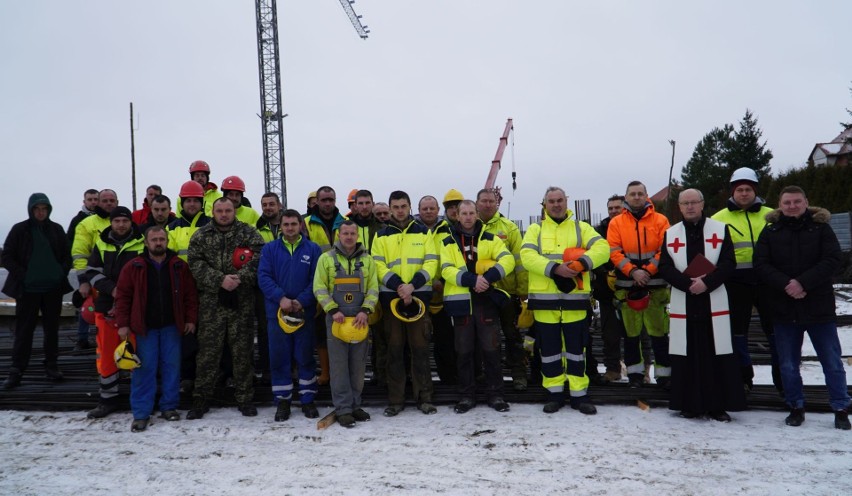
[(318, 233), (459, 280), (248, 215), (541, 253), (85, 236), (516, 282), (181, 230), (405, 256), (745, 227), (327, 271)]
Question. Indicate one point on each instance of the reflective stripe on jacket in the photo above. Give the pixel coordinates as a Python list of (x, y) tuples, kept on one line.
[(636, 244), (405, 256)]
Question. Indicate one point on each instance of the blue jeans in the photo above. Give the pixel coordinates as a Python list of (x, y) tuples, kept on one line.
[(283, 350), (82, 328), (788, 340), (158, 348)]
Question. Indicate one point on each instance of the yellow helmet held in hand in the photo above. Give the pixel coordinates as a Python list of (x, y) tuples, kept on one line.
[(412, 312), (483, 265), (124, 356), (290, 323), (347, 332), (525, 318)]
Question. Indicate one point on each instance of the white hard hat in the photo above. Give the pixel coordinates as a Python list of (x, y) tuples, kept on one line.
[(744, 174)]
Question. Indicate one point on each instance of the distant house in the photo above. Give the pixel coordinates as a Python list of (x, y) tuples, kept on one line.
[(662, 195), (836, 152)]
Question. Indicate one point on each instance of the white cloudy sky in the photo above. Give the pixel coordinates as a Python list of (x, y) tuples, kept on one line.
[(596, 90)]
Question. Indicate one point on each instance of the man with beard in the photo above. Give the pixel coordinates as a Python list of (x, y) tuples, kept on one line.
[(142, 216), (117, 245), (234, 189), (199, 171), (156, 300), (223, 258), (472, 261), (90, 202), (705, 375), (88, 231), (37, 257)]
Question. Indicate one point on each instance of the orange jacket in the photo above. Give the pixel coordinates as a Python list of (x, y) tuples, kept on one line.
[(636, 244)]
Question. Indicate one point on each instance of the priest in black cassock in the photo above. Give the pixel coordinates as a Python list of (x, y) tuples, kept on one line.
[(697, 259)]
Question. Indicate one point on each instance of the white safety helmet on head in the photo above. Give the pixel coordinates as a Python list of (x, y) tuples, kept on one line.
[(744, 174)]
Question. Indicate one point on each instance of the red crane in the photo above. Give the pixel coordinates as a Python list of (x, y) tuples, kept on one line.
[(496, 163)]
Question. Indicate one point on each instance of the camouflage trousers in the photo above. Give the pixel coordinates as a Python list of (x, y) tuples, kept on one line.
[(219, 327)]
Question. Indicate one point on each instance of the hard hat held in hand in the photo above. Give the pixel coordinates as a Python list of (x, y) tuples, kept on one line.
[(483, 265), (638, 299), (347, 332), (125, 358), (241, 257), (290, 323), (412, 312)]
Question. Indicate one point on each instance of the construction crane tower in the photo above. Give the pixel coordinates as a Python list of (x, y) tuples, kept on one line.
[(269, 69)]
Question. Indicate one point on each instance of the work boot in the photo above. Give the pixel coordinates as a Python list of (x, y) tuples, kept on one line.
[(688, 415), (552, 406), (427, 408), (464, 406), (247, 409), (796, 417), (310, 410), (346, 420), (170, 415), (519, 383), (841, 420), (360, 415), (498, 404), (323, 378), (14, 379), (282, 413), (53, 373), (720, 416), (393, 410), (139, 425), (199, 408), (584, 405), (102, 410)]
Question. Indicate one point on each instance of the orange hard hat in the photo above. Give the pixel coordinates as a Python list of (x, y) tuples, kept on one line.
[(351, 197), (87, 310), (191, 189), (572, 254)]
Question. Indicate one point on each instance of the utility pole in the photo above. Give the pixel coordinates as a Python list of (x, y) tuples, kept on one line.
[(669, 193), (132, 159)]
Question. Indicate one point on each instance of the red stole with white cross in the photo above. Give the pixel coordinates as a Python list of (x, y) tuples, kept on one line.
[(714, 234)]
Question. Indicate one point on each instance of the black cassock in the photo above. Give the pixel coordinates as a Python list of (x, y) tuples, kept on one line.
[(702, 381)]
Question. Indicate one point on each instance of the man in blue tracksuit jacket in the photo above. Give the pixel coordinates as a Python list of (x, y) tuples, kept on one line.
[(286, 276)]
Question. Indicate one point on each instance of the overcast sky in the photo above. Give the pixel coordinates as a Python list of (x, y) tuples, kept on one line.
[(596, 90)]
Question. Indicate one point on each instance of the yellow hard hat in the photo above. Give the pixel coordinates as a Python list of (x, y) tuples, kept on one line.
[(453, 195), (124, 356), (484, 265), (347, 332), (526, 318), (289, 323), (312, 194), (376, 316), (408, 313)]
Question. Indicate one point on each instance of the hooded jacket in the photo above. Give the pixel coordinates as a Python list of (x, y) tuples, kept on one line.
[(18, 248), (805, 249)]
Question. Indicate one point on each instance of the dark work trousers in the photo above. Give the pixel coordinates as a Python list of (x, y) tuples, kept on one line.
[(742, 298), (27, 308), (444, 348), (262, 363), (612, 331), (515, 357), (416, 336), (480, 330), (379, 353), (188, 352)]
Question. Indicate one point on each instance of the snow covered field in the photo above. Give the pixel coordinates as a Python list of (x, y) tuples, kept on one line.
[(622, 450)]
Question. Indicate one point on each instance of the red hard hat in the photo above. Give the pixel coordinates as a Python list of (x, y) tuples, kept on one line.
[(638, 299), (199, 166), (191, 189), (87, 310), (241, 257), (233, 183)]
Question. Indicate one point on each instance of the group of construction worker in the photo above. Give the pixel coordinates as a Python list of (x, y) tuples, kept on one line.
[(184, 296)]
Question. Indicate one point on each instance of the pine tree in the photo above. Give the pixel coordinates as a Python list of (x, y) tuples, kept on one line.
[(745, 149), (707, 170)]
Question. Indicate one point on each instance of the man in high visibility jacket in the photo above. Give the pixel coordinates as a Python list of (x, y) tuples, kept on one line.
[(117, 245), (472, 261), (234, 189), (515, 283), (635, 239), (745, 216), (89, 230), (199, 171), (90, 202), (345, 285), (559, 292), (406, 262), (322, 225)]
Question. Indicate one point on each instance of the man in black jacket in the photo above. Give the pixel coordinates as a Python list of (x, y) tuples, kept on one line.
[(796, 257), (38, 258)]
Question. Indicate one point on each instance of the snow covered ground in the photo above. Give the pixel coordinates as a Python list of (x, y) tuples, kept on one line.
[(621, 450)]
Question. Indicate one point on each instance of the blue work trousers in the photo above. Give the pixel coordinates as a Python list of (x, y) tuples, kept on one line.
[(286, 348), (158, 349)]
